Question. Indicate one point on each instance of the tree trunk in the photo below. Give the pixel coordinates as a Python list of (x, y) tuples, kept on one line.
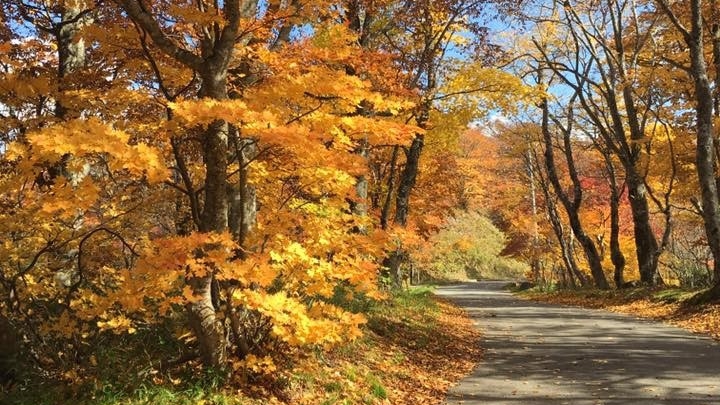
[(412, 165), (646, 245), (211, 65), (535, 260), (242, 196), (705, 158), (645, 242), (569, 263), (71, 57), (582, 278), (71, 54), (616, 254), (385, 213), (571, 207), (394, 265), (214, 218), (715, 35), (407, 180), (360, 207)]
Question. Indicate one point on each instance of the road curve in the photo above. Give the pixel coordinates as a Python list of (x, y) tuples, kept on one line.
[(550, 355)]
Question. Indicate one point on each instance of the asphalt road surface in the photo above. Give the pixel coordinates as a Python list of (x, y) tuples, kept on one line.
[(550, 355)]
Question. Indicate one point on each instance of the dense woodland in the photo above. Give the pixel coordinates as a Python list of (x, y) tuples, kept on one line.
[(244, 178)]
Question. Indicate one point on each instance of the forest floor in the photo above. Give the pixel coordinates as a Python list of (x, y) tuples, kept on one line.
[(662, 304), (414, 348), (538, 353)]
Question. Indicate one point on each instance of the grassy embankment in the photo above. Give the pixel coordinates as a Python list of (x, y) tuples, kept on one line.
[(414, 348)]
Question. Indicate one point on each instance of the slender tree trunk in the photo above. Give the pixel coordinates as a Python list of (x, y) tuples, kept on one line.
[(646, 245), (715, 35), (360, 207), (402, 201), (571, 207), (211, 65), (412, 165), (535, 261), (353, 11), (242, 217), (616, 254), (385, 213), (569, 264), (242, 214), (571, 257), (645, 242), (407, 180), (71, 58)]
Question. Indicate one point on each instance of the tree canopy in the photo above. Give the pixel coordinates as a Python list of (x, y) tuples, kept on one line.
[(244, 174)]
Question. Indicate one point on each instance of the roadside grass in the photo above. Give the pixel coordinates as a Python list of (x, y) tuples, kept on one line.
[(415, 346), (669, 304)]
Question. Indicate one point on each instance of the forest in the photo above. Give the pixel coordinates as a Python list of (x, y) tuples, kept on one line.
[(226, 202)]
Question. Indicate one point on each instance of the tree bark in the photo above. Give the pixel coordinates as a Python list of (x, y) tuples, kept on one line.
[(645, 242), (407, 180), (71, 53), (360, 207), (214, 218), (616, 255), (705, 158), (385, 213), (242, 196), (571, 257), (715, 35), (646, 245), (534, 261)]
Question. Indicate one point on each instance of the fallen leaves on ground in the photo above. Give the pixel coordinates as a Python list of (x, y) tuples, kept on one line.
[(642, 303), (410, 355), (433, 361)]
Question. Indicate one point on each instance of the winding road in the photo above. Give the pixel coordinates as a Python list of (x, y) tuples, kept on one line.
[(550, 355)]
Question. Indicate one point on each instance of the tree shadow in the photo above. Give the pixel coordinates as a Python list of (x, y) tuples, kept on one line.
[(538, 353)]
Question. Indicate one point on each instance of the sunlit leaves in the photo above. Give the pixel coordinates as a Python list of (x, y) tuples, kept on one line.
[(294, 323), (87, 138), (102, 199)]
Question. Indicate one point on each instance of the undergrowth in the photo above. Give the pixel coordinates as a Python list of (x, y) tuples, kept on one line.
[(414, 347)]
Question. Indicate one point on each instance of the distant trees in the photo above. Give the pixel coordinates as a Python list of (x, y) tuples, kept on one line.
[(470, 246), (616, 84)]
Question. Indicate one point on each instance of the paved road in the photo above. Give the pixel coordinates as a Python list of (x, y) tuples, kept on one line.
[(549, 355)]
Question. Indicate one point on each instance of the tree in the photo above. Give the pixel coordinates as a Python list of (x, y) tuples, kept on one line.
[(211, 63), (570, 203), (244, 116), (694, 37), (598, 64)]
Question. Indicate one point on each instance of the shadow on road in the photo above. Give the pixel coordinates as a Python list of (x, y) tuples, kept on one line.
[(543, 354)]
